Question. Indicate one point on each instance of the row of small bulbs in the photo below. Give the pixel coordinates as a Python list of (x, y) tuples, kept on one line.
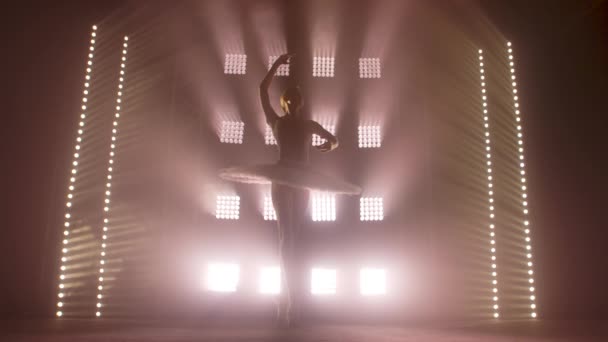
[(108, 193), (486, 125), (524, 194), (74, 173)]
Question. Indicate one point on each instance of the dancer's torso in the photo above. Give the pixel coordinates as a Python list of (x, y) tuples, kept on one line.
[(294, 138)]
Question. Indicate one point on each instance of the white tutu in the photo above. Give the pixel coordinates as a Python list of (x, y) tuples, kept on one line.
[(290, 174)]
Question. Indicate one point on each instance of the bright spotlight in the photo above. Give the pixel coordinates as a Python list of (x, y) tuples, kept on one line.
[(269, 212), (227, 207), (371, 209), (283, 70), (232, 132), (323, 281), (270, 280), (235, 64), (269, 136), (372, 281), (323, 206), (222, 277), (323, 66), (369, 137), (369, 68)]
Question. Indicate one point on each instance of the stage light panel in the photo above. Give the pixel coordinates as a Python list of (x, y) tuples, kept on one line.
[(323, 281), (369, 68), (269, 138), (371, 209), (74, 170), (222, 277), (372, 281), (524, 195), (270, 280), (235, 64), (487, 142), (232, 132), (227, 207), (283, 70), (110, 169), (323, 206), (317, 140), (370, 137), (269, 212), (323, 66)]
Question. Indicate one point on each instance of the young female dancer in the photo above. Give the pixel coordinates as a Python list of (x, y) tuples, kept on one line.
[(292, 178)]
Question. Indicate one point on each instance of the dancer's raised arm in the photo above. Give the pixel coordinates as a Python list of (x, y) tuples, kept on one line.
[(271, 115)]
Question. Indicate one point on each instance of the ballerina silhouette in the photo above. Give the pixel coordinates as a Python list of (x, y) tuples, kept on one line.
[(292, 178)]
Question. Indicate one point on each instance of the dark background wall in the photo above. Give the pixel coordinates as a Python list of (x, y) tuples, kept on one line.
[(562, 54)]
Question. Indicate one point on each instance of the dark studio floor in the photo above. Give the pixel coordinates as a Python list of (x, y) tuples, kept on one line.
[(135, 331)]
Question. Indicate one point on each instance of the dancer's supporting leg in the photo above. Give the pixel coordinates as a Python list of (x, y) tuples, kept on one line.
[(298, 283), (282, 202)]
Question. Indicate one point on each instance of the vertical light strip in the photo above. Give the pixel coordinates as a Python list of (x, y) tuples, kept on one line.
[(106, 207), (524, 194), (486, 125), (74, 172)]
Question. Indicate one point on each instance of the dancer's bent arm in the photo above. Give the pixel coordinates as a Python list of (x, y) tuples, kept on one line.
[(331, 143)]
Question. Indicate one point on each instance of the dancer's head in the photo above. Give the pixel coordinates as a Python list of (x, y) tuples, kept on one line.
[(291, 100)]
